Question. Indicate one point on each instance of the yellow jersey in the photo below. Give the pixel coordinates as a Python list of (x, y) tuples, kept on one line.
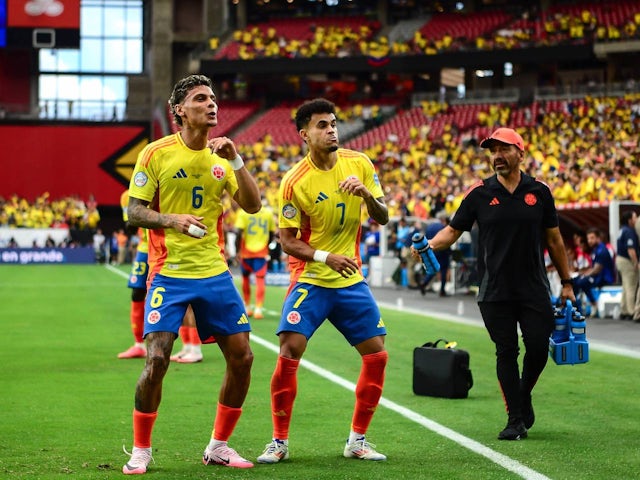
[(177, 179), (256, 229), (327, 218)]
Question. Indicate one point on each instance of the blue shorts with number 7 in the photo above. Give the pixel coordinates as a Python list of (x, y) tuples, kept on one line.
[(352, 310)]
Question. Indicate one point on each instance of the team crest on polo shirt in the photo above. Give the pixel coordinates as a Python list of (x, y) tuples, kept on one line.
[(289, 211), (218, 172), (293, 318), (153, 317), (530, 199)]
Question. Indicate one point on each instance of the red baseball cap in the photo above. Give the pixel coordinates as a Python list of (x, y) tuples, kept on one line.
[(504, 135)]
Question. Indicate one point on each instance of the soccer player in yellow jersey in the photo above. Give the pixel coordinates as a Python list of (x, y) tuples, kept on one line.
[(320, 200), (182, 178), (255, 231)]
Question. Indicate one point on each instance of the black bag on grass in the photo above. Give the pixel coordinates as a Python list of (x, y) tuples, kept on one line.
[(441, 372)]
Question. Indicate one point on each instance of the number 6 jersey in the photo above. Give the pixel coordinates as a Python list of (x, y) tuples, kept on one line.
[(176, 179)]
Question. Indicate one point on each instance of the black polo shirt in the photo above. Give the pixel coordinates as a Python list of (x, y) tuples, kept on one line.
[(627, 238), (511, 238)]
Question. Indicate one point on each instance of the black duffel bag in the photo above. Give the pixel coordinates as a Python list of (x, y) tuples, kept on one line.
[(441, 372)]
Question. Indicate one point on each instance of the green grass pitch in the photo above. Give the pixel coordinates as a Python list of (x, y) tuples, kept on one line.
[(66, 400)]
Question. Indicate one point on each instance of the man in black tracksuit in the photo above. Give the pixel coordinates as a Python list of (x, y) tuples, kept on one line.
[(517, 219)]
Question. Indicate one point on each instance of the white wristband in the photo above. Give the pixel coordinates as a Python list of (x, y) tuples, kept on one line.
[(237, 162), (320, 256)]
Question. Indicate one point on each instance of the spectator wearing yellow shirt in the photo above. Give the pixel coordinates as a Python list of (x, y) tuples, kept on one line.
[(619, 185), (563, 192), (587, 190)]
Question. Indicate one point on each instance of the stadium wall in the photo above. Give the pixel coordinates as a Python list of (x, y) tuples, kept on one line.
[(68, 159)]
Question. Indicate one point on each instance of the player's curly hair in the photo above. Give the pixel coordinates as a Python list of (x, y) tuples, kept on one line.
[(182, 88), (307, 109)]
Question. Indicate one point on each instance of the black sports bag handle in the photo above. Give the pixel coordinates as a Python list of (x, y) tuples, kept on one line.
[(435, 344)]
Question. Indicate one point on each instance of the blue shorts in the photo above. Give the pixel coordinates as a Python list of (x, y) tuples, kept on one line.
[(216, 303), (352, 310), (139, 270), (253, 265)]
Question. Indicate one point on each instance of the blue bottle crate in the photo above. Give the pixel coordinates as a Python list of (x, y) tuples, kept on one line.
[(574, 348)]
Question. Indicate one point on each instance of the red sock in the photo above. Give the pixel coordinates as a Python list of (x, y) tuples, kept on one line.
[(137, 320), (368, 390), (246, 290), (184, 334), (225, 422), (260, 289), (142, 427), (194, 338), (284, 387)]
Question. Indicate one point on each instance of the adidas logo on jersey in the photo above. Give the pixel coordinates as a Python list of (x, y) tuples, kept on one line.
[(494, 201), (243, 320), (180, 174), (321, 196)]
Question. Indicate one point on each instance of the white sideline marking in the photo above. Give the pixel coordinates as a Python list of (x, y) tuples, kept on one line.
[(116, 271), (466, 442)]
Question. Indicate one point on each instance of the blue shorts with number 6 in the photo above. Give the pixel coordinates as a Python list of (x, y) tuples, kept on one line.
[(352, 310), (216, 303)]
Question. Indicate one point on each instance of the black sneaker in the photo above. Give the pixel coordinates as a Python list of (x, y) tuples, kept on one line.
[(515, 430), (528, 415)]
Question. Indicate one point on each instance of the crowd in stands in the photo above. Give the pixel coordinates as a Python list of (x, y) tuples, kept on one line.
[(592, 22), (71, 213), (586, 150), (327, 37), (444, 32)]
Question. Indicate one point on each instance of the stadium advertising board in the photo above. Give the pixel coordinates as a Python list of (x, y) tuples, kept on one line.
[(43, 23), (26, 256), (71, 159)]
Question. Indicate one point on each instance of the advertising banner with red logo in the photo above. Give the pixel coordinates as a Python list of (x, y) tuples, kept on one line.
[(44, 13), (43, 24)]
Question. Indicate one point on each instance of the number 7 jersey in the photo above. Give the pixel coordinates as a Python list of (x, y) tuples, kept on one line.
[(327, 218), (176, 179)]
